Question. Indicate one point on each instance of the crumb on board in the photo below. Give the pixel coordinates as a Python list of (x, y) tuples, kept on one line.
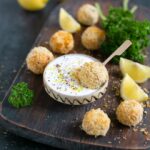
[(112, 125), (135, 129), (144, 131), (147, 104), (146, 90), (109, 142), (145, 112)]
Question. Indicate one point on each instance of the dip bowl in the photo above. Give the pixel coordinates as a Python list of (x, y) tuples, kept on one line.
[(61, 85)]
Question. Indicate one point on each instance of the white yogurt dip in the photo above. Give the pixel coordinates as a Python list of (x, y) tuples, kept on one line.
[(61, 85), (58, 75)]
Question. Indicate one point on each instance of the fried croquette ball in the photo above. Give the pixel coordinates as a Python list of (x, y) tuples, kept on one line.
[(62, 42), (130, 112), (96, 122), (92, 75), (38, 58), (92, 38), (87, 15)]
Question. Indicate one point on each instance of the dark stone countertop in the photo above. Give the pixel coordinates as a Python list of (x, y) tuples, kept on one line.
[(18, 30)]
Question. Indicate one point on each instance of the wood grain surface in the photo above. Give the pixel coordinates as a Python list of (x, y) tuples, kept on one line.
[(56, 124)]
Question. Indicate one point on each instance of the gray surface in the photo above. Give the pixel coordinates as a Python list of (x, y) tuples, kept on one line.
[(18, 30)]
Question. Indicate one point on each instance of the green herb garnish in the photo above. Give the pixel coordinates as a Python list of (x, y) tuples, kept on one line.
[(120, 25), (21, 95)]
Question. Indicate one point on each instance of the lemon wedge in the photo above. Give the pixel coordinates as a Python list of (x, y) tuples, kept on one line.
[(131, 91), (67, 22), (138, 72), (33, 5)]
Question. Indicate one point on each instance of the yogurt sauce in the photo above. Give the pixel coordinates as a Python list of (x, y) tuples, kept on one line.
[(58, 74)]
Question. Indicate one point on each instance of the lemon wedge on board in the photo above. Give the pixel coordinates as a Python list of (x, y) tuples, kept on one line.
[(32, 5), (138, 72), (131, 91), (67, 22)]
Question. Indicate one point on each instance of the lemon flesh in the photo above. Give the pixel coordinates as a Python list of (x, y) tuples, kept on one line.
[(138, 72), (33, 5), (67, 22), (131, 91)]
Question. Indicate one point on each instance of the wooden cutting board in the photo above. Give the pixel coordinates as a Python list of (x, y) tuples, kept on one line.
[(56, 124)]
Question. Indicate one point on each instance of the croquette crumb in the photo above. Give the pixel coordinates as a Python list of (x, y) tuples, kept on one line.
[(38, 58), (130, 113), (92, 38), (62, 42), (96, 122), (87, 14)]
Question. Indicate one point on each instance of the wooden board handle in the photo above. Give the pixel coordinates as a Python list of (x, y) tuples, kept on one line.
[(124, 46)]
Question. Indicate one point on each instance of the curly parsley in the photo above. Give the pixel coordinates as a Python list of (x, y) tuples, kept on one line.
[(120, 25), (21, 95)]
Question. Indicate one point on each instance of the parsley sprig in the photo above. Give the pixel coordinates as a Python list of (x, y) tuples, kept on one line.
[(120, 25), (21, 95)]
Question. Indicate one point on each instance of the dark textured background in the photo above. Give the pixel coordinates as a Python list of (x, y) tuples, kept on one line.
[(18, 30)]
